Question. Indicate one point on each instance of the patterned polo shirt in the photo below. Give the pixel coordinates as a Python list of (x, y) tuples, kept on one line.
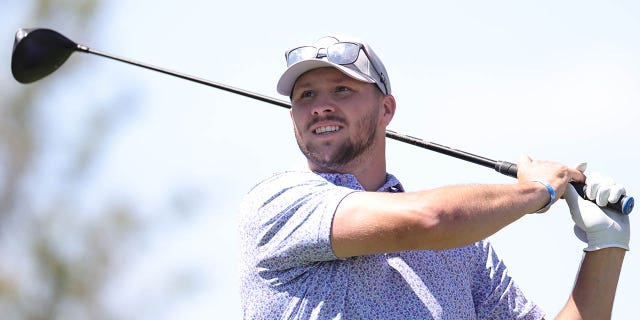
[(289, 271)]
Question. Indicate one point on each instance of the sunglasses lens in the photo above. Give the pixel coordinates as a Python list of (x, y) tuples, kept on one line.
[(343, 53), (340, 53), (301, 53)]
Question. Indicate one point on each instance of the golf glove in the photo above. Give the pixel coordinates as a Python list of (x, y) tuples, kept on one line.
[(597, 226), (603, 189)]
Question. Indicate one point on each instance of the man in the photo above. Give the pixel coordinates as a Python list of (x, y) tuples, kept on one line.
[(343, 240)]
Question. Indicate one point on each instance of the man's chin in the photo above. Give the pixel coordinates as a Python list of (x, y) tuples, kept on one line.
[(334, 159), (335, 164)]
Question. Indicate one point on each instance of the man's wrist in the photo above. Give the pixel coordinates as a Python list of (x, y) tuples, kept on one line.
[(552, 195)]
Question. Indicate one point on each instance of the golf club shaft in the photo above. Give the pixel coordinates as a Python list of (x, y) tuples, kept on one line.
[(231, 89), (624, 205)]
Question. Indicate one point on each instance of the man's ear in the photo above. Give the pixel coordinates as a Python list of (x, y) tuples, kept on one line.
[(389, 108)]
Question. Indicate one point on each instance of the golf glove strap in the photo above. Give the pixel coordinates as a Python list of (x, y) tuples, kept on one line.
[(598, 227)]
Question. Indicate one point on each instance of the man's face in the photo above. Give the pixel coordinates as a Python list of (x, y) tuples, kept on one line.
[(336, 119)]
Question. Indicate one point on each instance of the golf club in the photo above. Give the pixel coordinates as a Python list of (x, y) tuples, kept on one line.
[(39, 52)]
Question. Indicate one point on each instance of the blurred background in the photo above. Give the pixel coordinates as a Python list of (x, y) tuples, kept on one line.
[(119, 186)]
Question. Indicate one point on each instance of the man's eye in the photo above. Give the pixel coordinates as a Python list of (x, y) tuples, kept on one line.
[(343, 89), (306, 94)]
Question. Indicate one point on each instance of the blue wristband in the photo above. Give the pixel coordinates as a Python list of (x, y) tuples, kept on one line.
[(552, 195)]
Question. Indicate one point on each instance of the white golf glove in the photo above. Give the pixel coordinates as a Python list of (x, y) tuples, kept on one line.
[(603, 189), (597, 226)]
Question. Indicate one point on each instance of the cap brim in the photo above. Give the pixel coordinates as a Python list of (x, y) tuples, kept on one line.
[(291, 75)]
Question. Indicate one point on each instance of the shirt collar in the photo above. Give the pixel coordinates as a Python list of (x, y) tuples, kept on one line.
[(392, 184)]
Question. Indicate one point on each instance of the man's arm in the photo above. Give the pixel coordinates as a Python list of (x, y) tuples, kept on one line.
[(607, 234), (447, 217), (595, 287)]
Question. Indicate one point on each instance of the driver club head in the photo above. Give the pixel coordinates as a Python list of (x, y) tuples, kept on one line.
[(39, 52)]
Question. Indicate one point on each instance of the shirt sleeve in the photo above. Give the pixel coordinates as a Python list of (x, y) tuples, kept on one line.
[(495, 293), (288, 221)]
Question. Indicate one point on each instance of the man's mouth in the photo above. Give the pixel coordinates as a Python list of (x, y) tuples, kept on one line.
[(326, 129)]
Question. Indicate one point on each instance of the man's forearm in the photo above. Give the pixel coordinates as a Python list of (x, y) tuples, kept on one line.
[(441, 218), (595, 287), (474, 212)]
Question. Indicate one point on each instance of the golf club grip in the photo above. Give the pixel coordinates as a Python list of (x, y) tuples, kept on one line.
[(624, 204)]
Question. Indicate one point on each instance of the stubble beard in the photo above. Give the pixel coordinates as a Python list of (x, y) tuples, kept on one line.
[(348, 154)]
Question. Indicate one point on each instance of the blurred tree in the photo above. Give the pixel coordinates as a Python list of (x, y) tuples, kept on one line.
[(55, 259)]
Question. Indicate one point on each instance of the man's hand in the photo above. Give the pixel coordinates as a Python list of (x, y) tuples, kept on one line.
[(554, 175), (598, 227)]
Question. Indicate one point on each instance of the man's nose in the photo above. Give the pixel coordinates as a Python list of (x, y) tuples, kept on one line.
[(324, 105)]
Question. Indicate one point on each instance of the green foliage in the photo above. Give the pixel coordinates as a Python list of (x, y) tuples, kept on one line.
[(55, 257)]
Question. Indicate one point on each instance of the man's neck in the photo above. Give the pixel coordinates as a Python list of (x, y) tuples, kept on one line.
[(370, 175), (371, 182)]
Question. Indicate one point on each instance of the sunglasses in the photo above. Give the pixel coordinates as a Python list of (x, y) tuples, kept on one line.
[(342, 53)]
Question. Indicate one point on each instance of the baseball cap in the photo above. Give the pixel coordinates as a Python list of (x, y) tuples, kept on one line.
[(351, 56)]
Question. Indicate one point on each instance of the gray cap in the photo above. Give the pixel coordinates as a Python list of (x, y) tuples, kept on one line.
[(367, 68)]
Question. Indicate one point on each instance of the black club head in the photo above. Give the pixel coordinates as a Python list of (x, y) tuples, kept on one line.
[(39, 52)]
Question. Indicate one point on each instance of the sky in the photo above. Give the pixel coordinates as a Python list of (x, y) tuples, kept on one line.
[(555, 80)]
